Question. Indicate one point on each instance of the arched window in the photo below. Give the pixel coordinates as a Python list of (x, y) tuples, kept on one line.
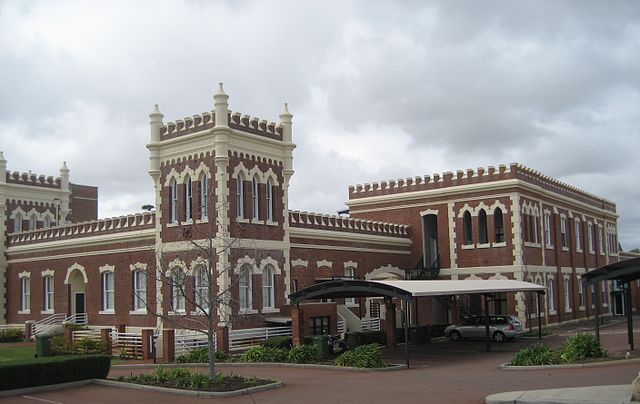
[(178, 286), (48, 293), (245, 287), (202, 288), (350, 273), (188, 199), (33, 222), (254, 199), (270, 200), (46, 222), (139, 290), (267, 287), (17, 223), (173, 201), (204, 196), (551, 302), (466, 225), (240, 196), (108, 291), (483, 234), (498, 225)]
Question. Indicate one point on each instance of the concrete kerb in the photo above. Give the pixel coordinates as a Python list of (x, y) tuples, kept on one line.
[(261, 364), (48, 387), (506, 366)]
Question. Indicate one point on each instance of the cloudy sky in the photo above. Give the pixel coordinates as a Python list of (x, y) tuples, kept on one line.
[(378, 90)]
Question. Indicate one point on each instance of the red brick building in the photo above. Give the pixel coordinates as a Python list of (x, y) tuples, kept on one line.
[(221, 217)]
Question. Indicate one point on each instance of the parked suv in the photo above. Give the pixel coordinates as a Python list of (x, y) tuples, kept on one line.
[(501, 327)]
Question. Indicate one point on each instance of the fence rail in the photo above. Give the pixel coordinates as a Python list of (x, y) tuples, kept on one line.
[(369, 324), (185, 342), (245, 339), (47, 322), (93, 334), (342, 326), (128, 345)]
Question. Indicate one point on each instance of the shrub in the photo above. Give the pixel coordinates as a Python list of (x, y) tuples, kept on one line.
[(283, 342), (364, 356), (85, 346), (304, 354), (373, 337), (264, 354), (580, 347), (52, 370), (11, 335), (201, 355), (536, 355)]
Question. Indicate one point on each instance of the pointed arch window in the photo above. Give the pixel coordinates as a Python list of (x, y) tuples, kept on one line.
[(267, 287), (17, 223), (498, 225), (46, 222), (188, 199), (204, 196), (202, 288), (178, 285), (483, 233), (270, 201), (33, 221), (245, 286), (240, 196), (255, 205), (173, 201), (466, 226)]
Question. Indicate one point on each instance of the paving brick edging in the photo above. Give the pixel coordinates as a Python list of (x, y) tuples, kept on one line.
[(506, 366), (262, 364), (248, 390)]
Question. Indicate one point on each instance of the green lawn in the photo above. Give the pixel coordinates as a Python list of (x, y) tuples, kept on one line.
[(10, 352)]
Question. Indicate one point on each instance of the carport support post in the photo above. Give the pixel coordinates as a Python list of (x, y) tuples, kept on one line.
[(486, 321), (627, 293), (596, 313), (406, 332), (539, 316)]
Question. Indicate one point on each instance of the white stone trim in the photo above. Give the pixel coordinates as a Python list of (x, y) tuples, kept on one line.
[(176, 263), (270, 261), (73, 268), (270, 175), (173, 175), (498, 204), (350, 264), (324, 263), (299, 263), (138, 266), (429, 212), (24, 274), (107, 268), (466, 208), (199, 261), (48, 272), (16, 211), (246, 260), (387, 269)]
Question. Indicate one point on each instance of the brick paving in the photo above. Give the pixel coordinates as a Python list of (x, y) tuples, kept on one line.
[(442, 372)]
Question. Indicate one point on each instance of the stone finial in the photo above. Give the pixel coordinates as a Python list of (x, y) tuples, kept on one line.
[(220, 89), (221, 107), (285, 121), (2, 160), (64, 168)]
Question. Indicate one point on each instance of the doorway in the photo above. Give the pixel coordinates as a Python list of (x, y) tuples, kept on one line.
[(79, 303)]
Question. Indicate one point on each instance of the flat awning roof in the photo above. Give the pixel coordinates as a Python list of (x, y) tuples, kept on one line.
[(407, 290), (626, 271)]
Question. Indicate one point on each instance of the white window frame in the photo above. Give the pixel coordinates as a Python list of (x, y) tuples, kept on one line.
[(46, 222), (602, 239), (270, 200), (188, 199), (255, 202), (564, 237), (268, 295), (173, 195), (48, 290), (33, 222), (17, 223), (25, 294), (578, 231), (536, 229), (580, 293), (245, 288), (140, 290), (108, 291), (567, 295), (590, 237), (178, 299), (204, 204), (202, 287), (547, 229), (604, 298), (551, 301), (240, 196), (350, 273)]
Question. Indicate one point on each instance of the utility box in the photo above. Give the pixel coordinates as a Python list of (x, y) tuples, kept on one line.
[(43, 346), (321, 342)]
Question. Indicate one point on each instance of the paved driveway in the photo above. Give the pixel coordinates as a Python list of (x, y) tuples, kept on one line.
[(442, 372)]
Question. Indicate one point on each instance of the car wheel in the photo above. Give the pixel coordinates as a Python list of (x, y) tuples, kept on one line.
[(498, 336), (455, 335)]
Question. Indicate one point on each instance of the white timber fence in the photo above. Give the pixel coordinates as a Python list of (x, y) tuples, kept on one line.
[(92, 334), (127, 344), (369, 324), (244, 339), (185, 342)]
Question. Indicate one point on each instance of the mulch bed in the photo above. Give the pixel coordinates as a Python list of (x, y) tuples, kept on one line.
[(229, 383)]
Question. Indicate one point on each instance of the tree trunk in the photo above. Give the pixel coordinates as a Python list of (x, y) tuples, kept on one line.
[(212, 356)]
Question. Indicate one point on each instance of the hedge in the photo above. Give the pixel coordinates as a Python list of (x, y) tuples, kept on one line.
[(53, 370), (11, 335)]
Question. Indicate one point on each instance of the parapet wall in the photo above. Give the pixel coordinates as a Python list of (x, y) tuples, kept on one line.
[(480, 175), (32, 179), (346, 224), (138, 221), (207, 120)]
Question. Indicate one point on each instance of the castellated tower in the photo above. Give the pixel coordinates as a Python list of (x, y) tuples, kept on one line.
[(223, 176)]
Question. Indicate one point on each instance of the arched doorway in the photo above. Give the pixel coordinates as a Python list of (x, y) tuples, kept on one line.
[(77, 280)]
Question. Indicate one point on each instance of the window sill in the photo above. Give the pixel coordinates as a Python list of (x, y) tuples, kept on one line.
[(174, 224), (549, 247), (270, 223), (241, 220), (257, 221), (579, 251), (582, 308), (500, 244), (107, 312), (24, 311), (198, 313), (352, 305), (186, 223), (138, 312), (565, 248), (468, 246), (552, 312), (46, 312), (177, 313), (483, 245), (592, 252), (568, 310), (248, 311), (531, 244), (202, 221), (605, 304), (270, 310)]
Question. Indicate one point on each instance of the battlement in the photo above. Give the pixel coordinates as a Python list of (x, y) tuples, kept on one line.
[(138, 221), (480, 175), (346, 224), (207, 120), (32, 179)]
